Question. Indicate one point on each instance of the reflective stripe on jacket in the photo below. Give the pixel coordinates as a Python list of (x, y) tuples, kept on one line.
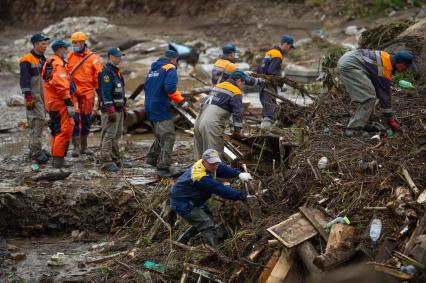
[(222, 68), (380, 67), (228, 96), (271, 63)]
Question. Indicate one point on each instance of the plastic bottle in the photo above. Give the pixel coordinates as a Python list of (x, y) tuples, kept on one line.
[(410, 269), (338, 220), (375, 230)]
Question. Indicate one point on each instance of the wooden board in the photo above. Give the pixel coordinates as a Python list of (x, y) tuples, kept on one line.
[(312, 215), (12, 190), (297, 229), (281, 269)]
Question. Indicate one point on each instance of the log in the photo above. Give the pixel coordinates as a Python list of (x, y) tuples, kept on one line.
[(338, 234), (307, 254), (267, 270), (334, 257)]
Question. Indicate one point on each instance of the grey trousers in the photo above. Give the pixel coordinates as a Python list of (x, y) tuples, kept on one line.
[(209, 128), (161, 150), (110, 137), (200, 220), (359, 86), (36, 121)]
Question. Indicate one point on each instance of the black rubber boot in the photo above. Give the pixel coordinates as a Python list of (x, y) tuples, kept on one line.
[(187, 235)]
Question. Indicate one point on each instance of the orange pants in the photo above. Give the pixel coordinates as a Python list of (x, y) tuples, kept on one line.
[(83, 106), (61, 127)]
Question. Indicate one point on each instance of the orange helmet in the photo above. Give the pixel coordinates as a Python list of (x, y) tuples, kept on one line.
[(78, 36)]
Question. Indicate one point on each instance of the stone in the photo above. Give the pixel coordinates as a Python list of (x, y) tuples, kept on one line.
[(18, 256), (351, 30)]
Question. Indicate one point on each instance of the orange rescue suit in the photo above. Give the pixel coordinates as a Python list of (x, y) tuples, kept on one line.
[(56, 89)]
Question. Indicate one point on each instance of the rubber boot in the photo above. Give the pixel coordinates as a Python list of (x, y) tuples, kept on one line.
[(84, 149), (187, 235), (210, 238), (110, 167), (76, 146), (59, 162)]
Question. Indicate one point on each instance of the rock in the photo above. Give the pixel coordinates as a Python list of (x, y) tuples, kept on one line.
[(125, 196), (18, 256), (75, 234), (323, 163), (15, 100), (351, 30), (301, 74)]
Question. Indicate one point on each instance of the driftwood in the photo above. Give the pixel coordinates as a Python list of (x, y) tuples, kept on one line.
[(279, 81), (309, 214), (409, 181), (307, 254), (252, 256), (338, 235), (334, 257)]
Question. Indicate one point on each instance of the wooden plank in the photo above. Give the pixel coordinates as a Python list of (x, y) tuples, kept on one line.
[(293, 231), (267, 270), (12, 190), (281, 269), (314, 216)]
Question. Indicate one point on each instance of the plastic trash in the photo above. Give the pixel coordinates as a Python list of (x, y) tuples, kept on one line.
[(154, 266), (390, 133), (35, 167), (405, 84), (375, 230), (338, 220), (323, 163), (410, 269)]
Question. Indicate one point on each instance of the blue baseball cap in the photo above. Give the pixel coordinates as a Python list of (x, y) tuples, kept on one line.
[(171, 54), (211, 156), (238, 74), (115, 51), (38, 37), (59, 44), (406, 58), (229, 48), (288, 39)]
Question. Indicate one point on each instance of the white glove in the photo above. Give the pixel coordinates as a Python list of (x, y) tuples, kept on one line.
[(184, 104), (245, 177)]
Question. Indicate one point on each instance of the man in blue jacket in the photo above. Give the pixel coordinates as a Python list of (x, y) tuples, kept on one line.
[(112, 101), (271, 65), (192, 190), (367, 76), (160, 91)]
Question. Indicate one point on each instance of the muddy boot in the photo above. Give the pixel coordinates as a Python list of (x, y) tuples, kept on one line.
[(110, 167), (151, 161), (41, 157), (170, 172), (59, 162), (84, 149), (210, 238), (76, 146), (187, 235), (358, 134)]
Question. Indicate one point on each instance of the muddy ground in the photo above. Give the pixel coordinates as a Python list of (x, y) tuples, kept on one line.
[(41, 218)]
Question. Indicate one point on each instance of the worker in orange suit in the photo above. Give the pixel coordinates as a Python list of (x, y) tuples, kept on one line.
[(57, 102), (84, 67)]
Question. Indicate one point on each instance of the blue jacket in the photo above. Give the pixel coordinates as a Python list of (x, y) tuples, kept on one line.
[(111, 89), (380, 66), (271, 63), (160, 88), (196, 186), (228, 96)]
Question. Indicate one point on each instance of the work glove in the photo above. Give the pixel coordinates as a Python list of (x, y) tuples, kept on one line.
[(184, 104), (29, 102), (394, 125), (112, 117), (245, 177)]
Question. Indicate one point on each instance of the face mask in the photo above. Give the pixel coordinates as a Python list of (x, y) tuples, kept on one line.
[(76, 48)]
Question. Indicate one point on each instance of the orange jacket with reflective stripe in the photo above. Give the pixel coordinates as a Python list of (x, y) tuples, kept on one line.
[(86, 76), (57, 88)]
